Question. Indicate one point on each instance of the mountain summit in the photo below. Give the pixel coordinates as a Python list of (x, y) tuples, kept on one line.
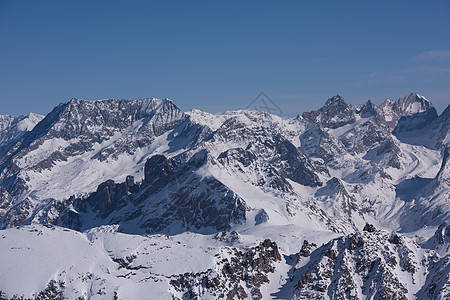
[(335, 113), (112, 199)]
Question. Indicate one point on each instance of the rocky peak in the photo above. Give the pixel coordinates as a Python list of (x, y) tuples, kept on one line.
[(412, 104), (389, 112), (367, 109), (335, 113), (362, 266), (338, 102), (81, 116), (96, 121)]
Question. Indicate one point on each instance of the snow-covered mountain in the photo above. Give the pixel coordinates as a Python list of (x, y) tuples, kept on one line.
[(12, 128), (113, 198)]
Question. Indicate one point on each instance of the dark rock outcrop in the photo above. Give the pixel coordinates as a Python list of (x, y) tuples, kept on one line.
[(250, 267), (362, 265), (369, 228), (109, 196)]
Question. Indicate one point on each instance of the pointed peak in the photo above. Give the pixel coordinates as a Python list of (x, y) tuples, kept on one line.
[(336, 100), (386, 102), (412, 104), (418, 98), (367, 109), (415, 95), (73, 100), (336, 103), (335, 113)]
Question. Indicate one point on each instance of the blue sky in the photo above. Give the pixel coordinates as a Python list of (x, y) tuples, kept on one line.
[(219, 55)]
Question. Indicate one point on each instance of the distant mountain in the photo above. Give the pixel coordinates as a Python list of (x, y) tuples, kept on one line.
[(232, 205), (12, 128)]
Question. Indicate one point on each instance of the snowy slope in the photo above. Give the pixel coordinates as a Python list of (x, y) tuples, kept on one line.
[(103, 264), (211, 205), (12, 128)]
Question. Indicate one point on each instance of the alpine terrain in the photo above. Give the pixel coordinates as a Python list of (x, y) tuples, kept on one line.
[(136, 199)]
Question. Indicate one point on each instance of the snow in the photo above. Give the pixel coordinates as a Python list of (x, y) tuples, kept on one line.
[(340, 131), (89, 262), (84, 261), (12, 128), (83, 173)]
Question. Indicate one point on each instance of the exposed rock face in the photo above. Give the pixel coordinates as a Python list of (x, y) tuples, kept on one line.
[(369, 228), (440, 133), (367, 109), (5, 201), (278, 159), (410, 123), (78, 127), (334, 114), (146, 168), (440, 241), (411, 104), (443, 176), (365, 265), (171, 193), (437, 285), (388, 154), (364, 137), (240, 275), (158, 167), (306, 249), (230, 237), (110, 196), (317, 142), (442, 235), (294, 165), (389, 112), (261, 217), (80, 118), (245, 157), (54, 290)]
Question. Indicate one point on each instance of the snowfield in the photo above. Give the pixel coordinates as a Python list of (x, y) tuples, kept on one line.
[(135, 199)]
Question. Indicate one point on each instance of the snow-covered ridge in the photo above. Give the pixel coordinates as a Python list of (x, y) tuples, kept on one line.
[(12, 128), (147, 182), (104, 264), (78, 137)]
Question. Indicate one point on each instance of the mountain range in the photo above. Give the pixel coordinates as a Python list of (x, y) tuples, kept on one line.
[(136, 199)]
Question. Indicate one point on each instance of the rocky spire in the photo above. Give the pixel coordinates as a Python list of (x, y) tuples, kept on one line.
[(335, 113)]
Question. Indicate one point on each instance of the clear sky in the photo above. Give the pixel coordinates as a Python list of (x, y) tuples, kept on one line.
[(218, 55)]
